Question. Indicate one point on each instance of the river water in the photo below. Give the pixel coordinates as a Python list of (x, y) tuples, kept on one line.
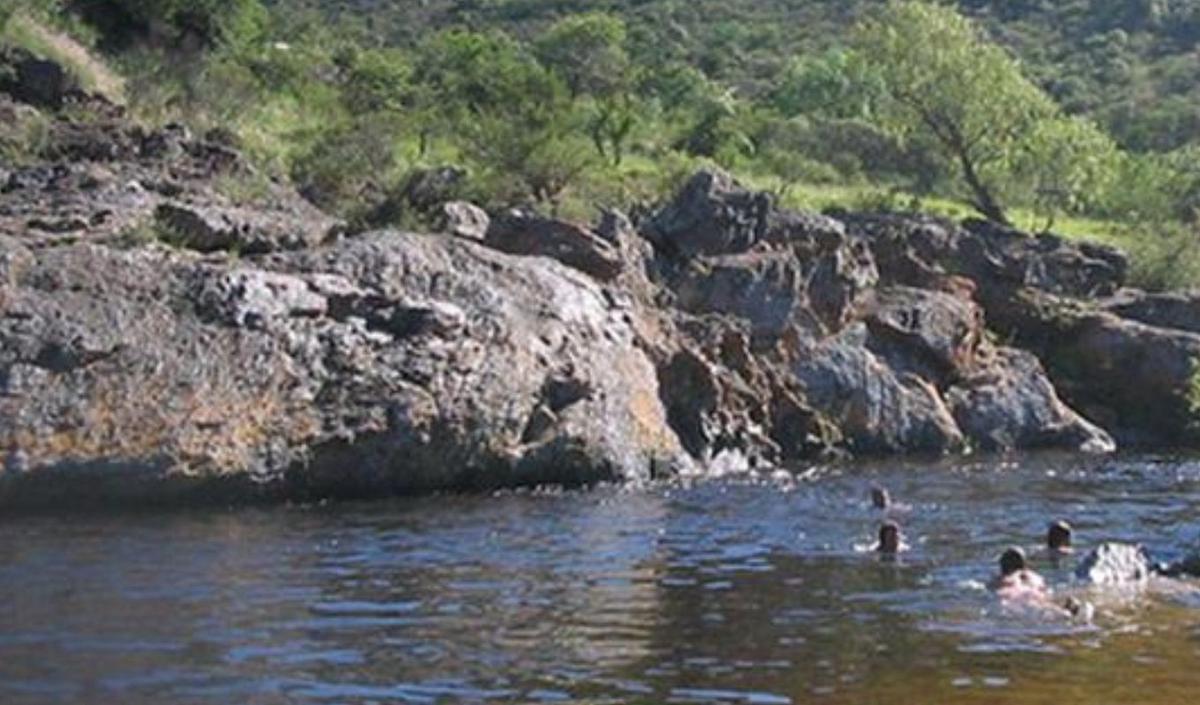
[(723, 591)]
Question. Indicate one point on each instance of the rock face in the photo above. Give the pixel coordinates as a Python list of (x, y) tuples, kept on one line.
[(875, 342), (101, 178), (393, 363), (173, 325), (575, 246), (1127, 359)]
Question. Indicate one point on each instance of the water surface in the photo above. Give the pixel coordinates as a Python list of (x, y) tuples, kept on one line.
[(729, 591)]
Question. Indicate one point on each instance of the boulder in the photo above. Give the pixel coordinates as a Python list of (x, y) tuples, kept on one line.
[(711, 215), (931, 334), (576, 246), (921, 250), (1008, 403), (465, 220), (728, 250), (1136, 379), (389, 363), (215, 226), (764, 288), (1115, 564), (879, 409), (1178, 310)]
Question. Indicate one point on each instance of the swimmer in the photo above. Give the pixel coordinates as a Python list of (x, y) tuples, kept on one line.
[(889, 539), (1016, 579), (1058, 538), (880, 499)]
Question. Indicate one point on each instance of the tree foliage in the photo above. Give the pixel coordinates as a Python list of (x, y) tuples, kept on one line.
[(944, 79), (1022, 107)]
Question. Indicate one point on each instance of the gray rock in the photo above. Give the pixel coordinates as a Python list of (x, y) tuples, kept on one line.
[(1114, 564), (931, 334), (1128, 376), (389, 363), (711, 215), (1178, 310), (918, 250), (1010, 404), (879, 409), (465, 220), (215, 227), (766, 289), (576, 246)]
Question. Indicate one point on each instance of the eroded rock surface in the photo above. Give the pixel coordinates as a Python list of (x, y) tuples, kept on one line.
[(392, 363), (173, 325), (104, 179)]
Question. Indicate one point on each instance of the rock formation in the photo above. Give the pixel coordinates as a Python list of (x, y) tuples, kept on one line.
[(172, 325)]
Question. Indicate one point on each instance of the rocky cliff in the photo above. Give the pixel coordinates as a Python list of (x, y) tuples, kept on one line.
[(163, 339)]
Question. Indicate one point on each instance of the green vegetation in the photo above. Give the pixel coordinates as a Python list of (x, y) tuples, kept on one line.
[(1076, 115)]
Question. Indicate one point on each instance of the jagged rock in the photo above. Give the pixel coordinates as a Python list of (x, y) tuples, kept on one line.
[(879, 409), (387, 363), (576, 246), (1009, 403), (1115, 564), (1130, 377), (465, 220), (711, 215), (731, 252), (764, 288), (1179, 310), (1046, 261), (920, 250), (729, 333), (931, 334), (214, 227), (841, 280)]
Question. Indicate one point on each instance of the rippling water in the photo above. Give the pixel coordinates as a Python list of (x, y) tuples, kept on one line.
[(718, 592)]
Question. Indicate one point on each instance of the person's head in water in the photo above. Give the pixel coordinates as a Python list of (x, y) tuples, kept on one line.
[(1058, 536), (1012, 561), (889, 537), (880, 499)]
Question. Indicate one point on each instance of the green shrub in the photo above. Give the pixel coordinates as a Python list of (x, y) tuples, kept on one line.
[(24, 133), (1165, 258)]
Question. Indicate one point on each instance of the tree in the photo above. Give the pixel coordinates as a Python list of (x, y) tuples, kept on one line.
[(588, 52), (943, 78), (1067, 164), (836, 84), (172, 22), (611, 126)]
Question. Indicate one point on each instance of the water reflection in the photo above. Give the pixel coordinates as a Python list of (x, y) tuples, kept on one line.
[(734, 592)]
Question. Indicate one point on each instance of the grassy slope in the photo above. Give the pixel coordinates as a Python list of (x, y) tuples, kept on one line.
[(93, 75)]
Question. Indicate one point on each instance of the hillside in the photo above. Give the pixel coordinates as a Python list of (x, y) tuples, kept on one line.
[(1077, 117), (1134, 66)]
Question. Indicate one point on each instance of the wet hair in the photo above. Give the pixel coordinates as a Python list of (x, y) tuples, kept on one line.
[(889, 529), (1012, 560), (1059, 535), (880, 499)]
